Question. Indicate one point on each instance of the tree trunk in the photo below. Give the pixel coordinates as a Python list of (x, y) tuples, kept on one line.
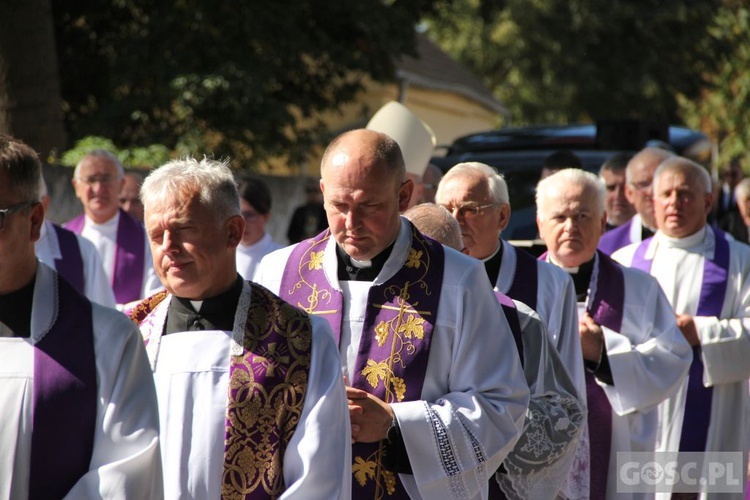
[(30, 102)]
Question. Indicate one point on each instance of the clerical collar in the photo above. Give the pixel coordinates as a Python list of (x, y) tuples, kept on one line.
[(356, 270), (581, 278), (687, 242), (646, 232), (493, 262), (15, 309), (216, 313)]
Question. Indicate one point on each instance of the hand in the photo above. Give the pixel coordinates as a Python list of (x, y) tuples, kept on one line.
[(371, 417), (687, 326), (592, 338)]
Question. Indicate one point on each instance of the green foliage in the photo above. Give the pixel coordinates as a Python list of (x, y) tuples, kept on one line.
[(244, 79), (562, 61), (137, 157)]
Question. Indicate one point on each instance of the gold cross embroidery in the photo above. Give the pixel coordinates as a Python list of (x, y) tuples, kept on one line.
[(267, 362), (403, 308), (312, 300)]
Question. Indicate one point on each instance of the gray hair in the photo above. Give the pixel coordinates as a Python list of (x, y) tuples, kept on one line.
[(23, 166), (680, 164), (498, 188), (212, 180), (437, 223), (101, 153), (576, 176)]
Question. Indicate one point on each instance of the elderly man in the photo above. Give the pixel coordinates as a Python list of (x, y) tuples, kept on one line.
[(639, 174), (542, 457), (612, 173), (119, 238), (634, 353), (251, 398), (73, 257), (78, 405), (478, 197), (705, 277), (437, 400)]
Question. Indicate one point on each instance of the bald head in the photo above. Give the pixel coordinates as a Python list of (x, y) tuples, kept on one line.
[(368, 149), (437, 223), (640, 175)]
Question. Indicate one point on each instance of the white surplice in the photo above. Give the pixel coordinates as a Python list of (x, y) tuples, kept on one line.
[(648, 360), (192, 380), (97, 286), (543, 455), (104, 238), (125, 460), (725, 341), (473, 387), (249, 256)]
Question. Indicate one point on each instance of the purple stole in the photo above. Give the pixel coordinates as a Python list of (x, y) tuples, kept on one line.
[(697, 415), (127, 279), (395, 345), (65, 398), (524, 286), (266, 394), (616, 238), (70, 264)]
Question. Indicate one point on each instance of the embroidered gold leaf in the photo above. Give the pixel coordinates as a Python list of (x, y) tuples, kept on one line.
[(316, 261), (390, 481), (399, 387), (363, 469), (375, 371), (414, 258), (413, 327), (381, 333)]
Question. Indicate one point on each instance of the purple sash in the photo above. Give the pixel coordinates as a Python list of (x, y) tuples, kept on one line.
[(127, 278), (713, 290), (616, 238), (525, 279), (606, 309), (395, 344), (267, 388), (65, 398), (70, 264)]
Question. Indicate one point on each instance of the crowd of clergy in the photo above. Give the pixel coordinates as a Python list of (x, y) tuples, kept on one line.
[(162, 345)]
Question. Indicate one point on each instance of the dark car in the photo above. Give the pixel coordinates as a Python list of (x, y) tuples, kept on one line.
[(518, 154)]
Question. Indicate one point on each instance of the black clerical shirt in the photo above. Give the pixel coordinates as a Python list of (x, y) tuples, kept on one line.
[(217, 313), (492, 265), (347, 271), (15, 310)]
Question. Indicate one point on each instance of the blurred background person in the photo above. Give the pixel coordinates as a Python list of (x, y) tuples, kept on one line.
[(255, 208), (612, 174), (430, 181), (737, 223), (731, 175), (559, 160), (130, 199), (308, 219)]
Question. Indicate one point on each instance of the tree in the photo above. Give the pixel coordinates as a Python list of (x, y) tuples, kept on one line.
[(245, 79), (30, 105), (580, 60)]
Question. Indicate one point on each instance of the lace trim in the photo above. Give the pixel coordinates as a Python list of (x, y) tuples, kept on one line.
[(240, 318)]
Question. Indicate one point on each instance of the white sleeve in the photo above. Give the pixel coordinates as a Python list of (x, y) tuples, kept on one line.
[(456, 440), (125, 462), (317, 462), (649, 357)]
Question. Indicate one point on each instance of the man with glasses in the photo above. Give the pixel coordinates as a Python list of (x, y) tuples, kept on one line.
[(119, 237), (79, 414), (639, 175), (478, 197)]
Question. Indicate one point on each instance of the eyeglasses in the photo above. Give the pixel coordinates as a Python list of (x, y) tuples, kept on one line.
[(13, 209), (642, 185), (101, 179), (467, 211)]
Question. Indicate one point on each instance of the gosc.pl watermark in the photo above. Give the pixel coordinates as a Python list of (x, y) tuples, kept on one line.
[(680, 472)]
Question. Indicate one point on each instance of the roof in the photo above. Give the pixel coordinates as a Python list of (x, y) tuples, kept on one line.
[(434, 69)]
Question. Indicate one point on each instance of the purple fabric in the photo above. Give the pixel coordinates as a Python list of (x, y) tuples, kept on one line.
[(70, 265), (697, 415), (127, 279), (511, 314), (397, 310), (616, 238), (65, 399), (525, 279), (606, 309)]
